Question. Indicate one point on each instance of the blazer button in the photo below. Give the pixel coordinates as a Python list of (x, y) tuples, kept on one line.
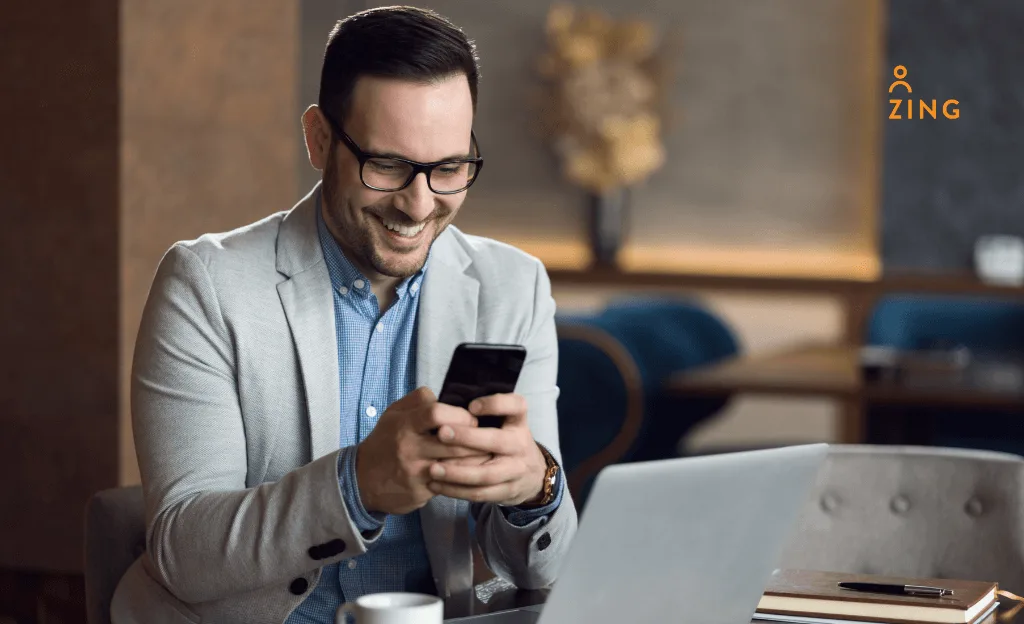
[(299, 586), (544, 541), (325, 551)]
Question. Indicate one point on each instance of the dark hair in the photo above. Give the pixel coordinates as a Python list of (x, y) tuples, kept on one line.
[(392, 42)]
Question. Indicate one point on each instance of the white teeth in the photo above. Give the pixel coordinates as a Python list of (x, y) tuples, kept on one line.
[(404, 230)]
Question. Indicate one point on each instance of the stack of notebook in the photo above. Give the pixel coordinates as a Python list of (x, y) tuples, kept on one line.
[(811, 597)]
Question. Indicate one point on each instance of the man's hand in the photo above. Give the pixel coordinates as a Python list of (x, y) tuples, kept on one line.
[(516, 472), (393, 462)]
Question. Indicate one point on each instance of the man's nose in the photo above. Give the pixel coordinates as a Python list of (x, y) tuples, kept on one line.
[(416, 200)]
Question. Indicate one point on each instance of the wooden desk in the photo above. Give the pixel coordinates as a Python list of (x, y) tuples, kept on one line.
[(833, 371)]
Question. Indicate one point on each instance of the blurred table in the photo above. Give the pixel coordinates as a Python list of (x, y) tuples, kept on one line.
[(1008, 612), (835, 371)]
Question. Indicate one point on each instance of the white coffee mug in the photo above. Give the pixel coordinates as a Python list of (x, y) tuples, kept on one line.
[(393, 608)]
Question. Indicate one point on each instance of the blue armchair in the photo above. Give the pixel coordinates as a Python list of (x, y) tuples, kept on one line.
[(914, 322), (930, 322), (611, 369)]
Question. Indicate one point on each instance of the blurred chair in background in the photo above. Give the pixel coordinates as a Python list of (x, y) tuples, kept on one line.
[(115, 536), (915, 511), (612, 365), (929, 322), (987, 329)]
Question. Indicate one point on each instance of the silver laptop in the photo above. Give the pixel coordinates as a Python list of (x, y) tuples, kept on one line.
[(691, 540)]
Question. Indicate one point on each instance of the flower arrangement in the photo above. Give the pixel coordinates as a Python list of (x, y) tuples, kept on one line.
[(604, 88)]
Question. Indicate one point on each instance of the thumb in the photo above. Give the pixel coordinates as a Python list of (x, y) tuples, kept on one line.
[(420, 396)]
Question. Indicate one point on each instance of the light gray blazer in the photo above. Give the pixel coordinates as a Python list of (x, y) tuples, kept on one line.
[(236, 414)]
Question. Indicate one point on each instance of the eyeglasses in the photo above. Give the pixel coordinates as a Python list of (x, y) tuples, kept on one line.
[(390, 173)]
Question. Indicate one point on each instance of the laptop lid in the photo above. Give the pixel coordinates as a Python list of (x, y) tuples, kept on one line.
[(683, 540)]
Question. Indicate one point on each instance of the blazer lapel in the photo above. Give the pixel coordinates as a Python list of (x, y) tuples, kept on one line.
[(447, 317), (447, 314), (309, 307)]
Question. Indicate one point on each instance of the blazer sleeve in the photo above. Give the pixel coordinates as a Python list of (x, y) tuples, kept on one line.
[(529, 556), (208, 535)]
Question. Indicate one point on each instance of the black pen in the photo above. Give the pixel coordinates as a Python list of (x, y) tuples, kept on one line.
[(902, 590)]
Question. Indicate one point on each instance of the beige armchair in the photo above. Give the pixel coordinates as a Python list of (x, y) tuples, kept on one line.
[(915, 511)]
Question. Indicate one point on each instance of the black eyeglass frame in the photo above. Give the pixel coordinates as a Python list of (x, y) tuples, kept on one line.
[(417, 167)]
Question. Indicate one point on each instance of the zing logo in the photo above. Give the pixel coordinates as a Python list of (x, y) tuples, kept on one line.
[(950, 108)]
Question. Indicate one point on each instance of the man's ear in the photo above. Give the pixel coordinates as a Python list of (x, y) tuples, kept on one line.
[(318, 137)]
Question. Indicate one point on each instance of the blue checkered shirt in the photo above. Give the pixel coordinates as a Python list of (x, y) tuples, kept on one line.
[(377, 366)]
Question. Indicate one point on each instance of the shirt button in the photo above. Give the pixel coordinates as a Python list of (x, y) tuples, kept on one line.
[(380, 327), (414, 288), (343, 290), (371, 411), (359, 283), (351, 564)]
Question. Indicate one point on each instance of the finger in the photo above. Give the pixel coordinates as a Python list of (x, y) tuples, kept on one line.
[(421, 395), (498, 405), (512, 406), (489, 494), (471, 460), (483, 439), (501, 470), (431, 448), (440, 414)]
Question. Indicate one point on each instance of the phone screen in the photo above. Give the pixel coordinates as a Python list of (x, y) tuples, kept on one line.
[(479, 370)]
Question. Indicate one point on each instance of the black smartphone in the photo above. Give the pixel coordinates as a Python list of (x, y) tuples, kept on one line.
[(479, 369)]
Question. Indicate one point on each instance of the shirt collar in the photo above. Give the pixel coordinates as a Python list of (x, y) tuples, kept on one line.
[(345, 277)]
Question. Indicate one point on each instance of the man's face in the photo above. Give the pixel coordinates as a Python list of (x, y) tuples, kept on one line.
[(420, 122)]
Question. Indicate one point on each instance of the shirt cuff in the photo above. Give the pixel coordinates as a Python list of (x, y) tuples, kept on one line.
[(522, 516), (365, 521)]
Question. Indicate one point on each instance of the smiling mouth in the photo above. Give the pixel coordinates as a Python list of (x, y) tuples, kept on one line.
[(402, 231)]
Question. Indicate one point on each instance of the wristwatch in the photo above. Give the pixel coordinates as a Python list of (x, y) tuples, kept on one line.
[(550, 479)]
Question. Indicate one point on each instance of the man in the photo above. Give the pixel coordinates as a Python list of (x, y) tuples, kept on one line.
[(293, 454)]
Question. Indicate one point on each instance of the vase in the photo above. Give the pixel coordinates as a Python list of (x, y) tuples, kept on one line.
[(607, 225)]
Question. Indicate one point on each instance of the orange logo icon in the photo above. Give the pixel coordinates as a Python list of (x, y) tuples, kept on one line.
[(950, 108)]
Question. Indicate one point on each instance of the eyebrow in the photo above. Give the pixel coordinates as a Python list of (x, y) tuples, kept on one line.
[(463, 156), (386, 154)]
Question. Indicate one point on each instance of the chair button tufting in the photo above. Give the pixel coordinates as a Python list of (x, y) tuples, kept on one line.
[(899, 505), (829, 503), (974, 507)]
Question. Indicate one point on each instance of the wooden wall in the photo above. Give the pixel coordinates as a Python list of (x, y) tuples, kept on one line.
[(210, 123), (136, 124), (773, 145), (59, 184)]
